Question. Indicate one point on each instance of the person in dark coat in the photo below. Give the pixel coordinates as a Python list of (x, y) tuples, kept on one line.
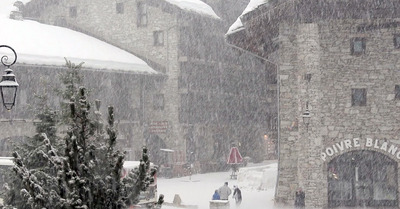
[(216, 195), (299, 201), (237, 195)]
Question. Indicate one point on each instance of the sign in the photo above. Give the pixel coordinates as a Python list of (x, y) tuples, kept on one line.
[(234, 156), (158, 127), (378, 144)]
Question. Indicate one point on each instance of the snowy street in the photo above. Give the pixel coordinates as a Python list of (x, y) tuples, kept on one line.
[(256, 181)]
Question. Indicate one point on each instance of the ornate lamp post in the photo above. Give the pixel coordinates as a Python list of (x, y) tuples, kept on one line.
[(8, 84)]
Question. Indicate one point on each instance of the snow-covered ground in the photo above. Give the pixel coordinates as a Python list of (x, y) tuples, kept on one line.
[(256, 181)]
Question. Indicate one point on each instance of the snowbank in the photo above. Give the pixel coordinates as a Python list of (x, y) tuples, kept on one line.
[(257, 178)]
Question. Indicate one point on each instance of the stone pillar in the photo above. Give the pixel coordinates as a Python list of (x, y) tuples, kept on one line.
[(310, 166), (288, 115), (300, 146)]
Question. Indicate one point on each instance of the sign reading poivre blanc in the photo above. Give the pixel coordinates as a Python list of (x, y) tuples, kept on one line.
[(360, 143)]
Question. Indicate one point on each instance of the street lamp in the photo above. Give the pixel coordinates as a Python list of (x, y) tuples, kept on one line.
[(8, 84)]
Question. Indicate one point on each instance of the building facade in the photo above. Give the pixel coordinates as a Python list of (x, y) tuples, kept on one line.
[(339, 62), (211, 97), (43, 80)]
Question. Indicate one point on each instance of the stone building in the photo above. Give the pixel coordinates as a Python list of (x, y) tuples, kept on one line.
[(338, 65), (212, 96), (40, 60), (38, 80)]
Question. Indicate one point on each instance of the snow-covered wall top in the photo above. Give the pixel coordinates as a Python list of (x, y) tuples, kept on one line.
[(42, 44), (238, 25), (195, 6)]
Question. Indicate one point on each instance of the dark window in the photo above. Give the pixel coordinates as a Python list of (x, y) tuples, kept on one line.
[(274, 123), (397, 92), (73, 12), (396, 41), (142, 14), (358, 97), (186, 114), (158, 38), (184, 109), (358, 46), (120, 8), (158, 101)]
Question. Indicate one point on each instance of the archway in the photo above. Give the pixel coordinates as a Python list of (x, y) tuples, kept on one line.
[(362, 178)]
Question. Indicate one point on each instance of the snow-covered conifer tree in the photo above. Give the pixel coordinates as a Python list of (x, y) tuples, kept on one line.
[(85, 170)]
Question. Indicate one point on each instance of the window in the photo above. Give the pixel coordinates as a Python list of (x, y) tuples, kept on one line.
[(397, 92), (183, 76), (396, 41), (358, 46), (136, 114), (358, 97), (274, 123), (120, 8), (158, 38), (142, 14), (73, 12), (158, 101)]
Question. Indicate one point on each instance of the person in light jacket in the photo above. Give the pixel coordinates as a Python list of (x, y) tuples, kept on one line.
[(224, 191)]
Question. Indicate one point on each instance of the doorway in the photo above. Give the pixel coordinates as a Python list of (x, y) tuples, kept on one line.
[(154, 144), (362, 178)]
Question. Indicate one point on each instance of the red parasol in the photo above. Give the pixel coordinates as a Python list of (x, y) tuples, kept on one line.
[(234, 156)]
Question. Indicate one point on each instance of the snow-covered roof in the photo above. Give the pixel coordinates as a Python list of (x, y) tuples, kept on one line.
[(133, 164), (195, 6), (238, 25), (6, 161), (42, 44), (167, 150)]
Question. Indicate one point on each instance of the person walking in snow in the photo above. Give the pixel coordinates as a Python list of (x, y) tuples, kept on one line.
[(237, 195), (299, 202), (216, 195), (224, 191)]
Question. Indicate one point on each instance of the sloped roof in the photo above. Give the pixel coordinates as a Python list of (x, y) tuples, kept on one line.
[(42, 44), (195, 6), (238, 25)]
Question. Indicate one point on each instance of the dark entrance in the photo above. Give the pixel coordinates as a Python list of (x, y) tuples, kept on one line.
[(362, 178), (154, 143)]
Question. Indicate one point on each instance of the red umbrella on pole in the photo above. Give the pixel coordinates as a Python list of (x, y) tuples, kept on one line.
[(234, 156)]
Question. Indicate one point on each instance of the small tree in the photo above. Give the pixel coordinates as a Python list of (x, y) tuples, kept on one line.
[(85, 172), (30, 150)]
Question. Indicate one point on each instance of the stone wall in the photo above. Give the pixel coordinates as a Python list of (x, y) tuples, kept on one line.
[(288, 115), (106, 86), (322, 49)]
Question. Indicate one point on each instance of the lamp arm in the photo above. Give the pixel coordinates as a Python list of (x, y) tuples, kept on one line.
[(4, 58)]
